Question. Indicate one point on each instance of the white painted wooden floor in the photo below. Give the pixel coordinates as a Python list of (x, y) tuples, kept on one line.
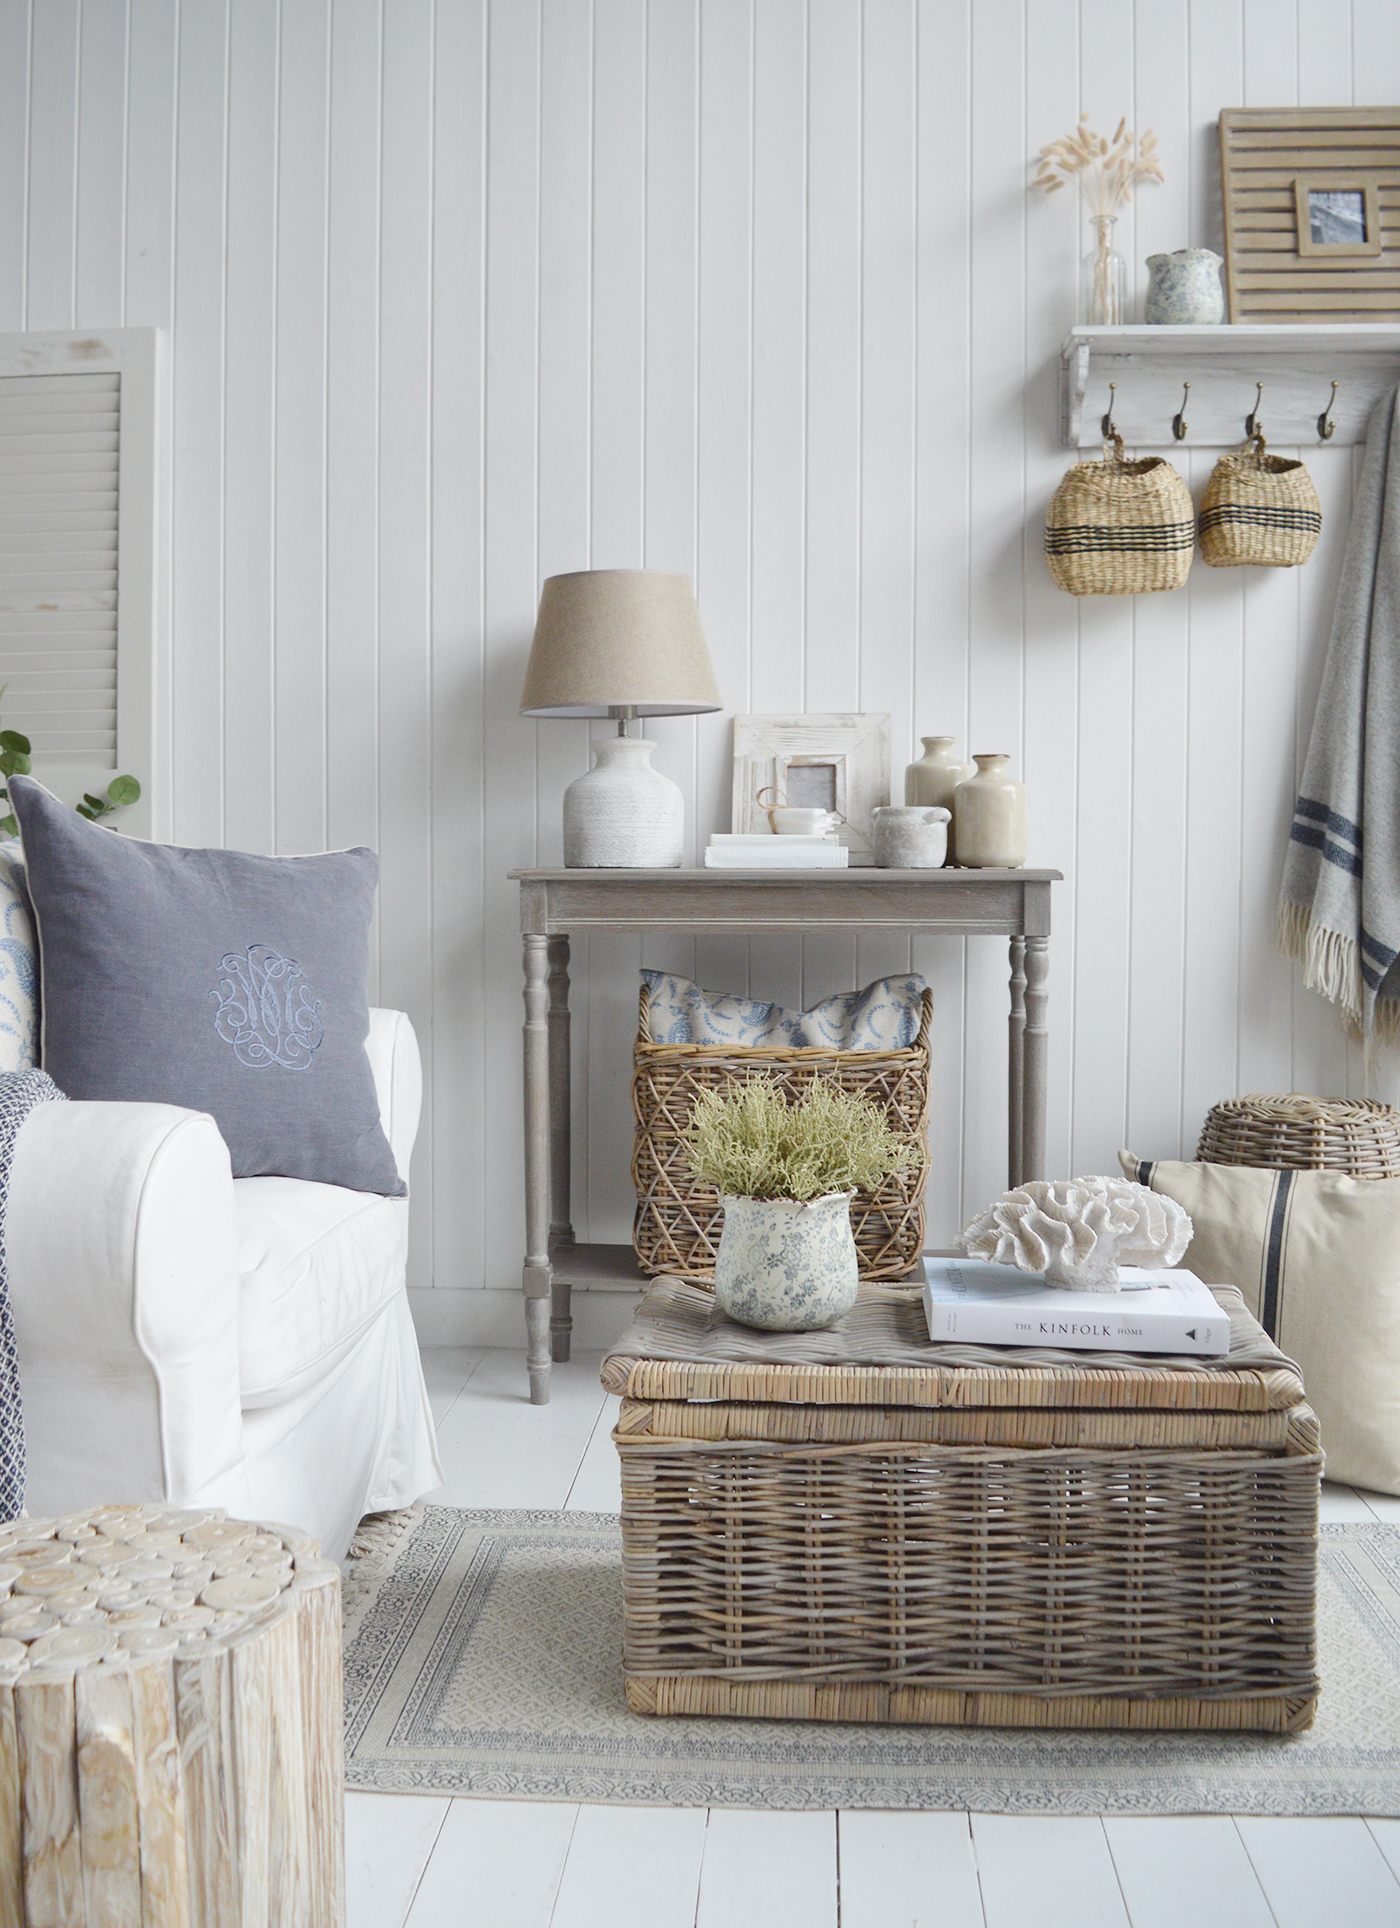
[(427, 1862)]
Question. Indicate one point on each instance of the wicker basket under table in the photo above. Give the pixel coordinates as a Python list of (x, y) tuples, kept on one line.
[(855, 1525), (678, 1220)]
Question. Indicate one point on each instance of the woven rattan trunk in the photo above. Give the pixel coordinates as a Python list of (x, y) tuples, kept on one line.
[(973, 1536)]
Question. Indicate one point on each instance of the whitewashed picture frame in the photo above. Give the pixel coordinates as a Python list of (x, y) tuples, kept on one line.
[(840, 763)]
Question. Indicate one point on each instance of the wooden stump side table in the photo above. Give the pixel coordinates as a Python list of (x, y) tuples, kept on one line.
[(556, 904), (170, 1723)]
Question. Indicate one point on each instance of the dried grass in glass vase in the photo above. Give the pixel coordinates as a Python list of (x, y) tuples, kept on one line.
[(1106, 172)]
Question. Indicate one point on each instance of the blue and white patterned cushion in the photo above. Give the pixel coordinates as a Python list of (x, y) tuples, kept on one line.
[(19, 966), (882, 1017)]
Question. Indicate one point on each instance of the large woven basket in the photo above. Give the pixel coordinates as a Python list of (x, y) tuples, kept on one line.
[(679, 1221), (1118, 528), (1298, 1133), (1259, 508), (978, 1536)]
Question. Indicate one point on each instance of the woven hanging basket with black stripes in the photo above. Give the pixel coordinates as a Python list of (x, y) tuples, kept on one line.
[(1118, 528), (1259, 508)]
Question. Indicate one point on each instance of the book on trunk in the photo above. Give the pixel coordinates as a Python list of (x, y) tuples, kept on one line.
[(972, 1302)]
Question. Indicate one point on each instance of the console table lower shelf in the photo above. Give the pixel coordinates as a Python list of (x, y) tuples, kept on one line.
[(558, 904), (855, 1525)]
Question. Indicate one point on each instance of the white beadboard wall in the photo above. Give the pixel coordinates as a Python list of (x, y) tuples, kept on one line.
[(462, 294)]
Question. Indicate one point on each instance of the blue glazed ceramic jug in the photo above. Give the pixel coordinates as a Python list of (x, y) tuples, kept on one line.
[(1184, 288)]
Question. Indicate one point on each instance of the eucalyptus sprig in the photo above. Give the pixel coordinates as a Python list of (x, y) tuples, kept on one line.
[(753, 1143), (16, 756)]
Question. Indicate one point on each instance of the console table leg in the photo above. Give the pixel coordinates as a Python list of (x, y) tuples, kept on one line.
[(1036, 1040), (537, 1272), (1016, 1066), (561, 1231)]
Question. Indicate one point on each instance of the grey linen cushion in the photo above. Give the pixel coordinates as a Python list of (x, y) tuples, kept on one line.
[(228, 983)]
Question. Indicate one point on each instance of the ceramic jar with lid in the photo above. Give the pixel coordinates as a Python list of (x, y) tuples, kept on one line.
[(934, 777), (989, 818)]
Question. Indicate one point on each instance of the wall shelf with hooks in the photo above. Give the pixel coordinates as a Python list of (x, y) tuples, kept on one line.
[(1295, 365)]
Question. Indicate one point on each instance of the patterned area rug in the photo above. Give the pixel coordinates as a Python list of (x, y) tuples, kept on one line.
[(484, 1656)]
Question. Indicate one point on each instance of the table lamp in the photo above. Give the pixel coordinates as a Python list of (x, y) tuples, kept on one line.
[(621, 643)]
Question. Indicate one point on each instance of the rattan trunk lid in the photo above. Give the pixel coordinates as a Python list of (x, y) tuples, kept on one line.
[(681, 1347)]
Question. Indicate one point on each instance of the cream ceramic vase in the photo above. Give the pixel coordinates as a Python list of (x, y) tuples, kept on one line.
[(623, 815), (936, 774), (989, 818), (787, 1265)]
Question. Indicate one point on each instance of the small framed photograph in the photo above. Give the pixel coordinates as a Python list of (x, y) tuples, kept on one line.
[(839, 763), (1337, 219)]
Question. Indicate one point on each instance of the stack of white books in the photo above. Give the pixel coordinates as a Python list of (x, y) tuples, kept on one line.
[(765, 851), (973, 1303)]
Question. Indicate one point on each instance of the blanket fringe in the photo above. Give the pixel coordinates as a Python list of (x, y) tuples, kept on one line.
[(1332, 967)]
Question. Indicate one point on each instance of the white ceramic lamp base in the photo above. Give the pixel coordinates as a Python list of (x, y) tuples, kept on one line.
[(623, 815)]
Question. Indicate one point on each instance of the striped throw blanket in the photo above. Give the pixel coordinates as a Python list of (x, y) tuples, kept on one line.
[(20, 1092), (1340, 904)]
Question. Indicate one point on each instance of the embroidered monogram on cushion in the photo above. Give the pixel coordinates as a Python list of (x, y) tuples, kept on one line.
[(267, 1011)]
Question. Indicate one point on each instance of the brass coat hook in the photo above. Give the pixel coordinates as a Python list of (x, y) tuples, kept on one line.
[(1180, 425), (1325, 425), (1251, 421), (1107, 423)]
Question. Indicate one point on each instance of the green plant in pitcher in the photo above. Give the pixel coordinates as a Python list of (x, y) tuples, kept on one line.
[(752, 1142), (16, 761)]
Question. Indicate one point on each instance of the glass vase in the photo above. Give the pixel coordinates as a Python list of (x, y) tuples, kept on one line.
[(1103, 279)]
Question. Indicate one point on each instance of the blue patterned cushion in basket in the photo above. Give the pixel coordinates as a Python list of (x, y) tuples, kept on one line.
[(883, 1017), (19, 967)]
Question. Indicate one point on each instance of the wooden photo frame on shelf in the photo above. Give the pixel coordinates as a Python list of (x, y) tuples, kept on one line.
[(839, 763), (1312, 213)]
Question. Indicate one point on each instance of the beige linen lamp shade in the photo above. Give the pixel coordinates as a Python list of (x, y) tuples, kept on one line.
[(618, 639)]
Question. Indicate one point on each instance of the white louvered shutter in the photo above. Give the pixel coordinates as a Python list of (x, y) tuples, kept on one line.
[(60, 468)]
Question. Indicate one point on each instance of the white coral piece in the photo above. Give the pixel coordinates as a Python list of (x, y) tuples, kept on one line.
[(1079, 1231)]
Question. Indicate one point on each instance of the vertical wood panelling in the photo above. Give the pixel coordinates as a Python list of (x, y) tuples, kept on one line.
[(1103, 840), (670, 398), (992, 462), (14, 163), (352, 427), (198, 342), (53, 163), (102, 84), (1213, 695), (299, 482), (776, 601), (405, 680), (724, 396), (458, 1110), (942, 414), (832, 617), (1054, 241), (511, 582), (1152, 1107), (148, 216), (250, 505), (466, 294), (617, 483)]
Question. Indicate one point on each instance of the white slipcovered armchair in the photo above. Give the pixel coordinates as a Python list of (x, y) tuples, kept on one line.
[(191, 1337)]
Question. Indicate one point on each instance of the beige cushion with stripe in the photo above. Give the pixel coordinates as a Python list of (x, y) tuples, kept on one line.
[(1317, 1257)]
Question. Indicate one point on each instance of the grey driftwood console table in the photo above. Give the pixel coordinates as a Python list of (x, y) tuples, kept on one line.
[(555, 904)]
